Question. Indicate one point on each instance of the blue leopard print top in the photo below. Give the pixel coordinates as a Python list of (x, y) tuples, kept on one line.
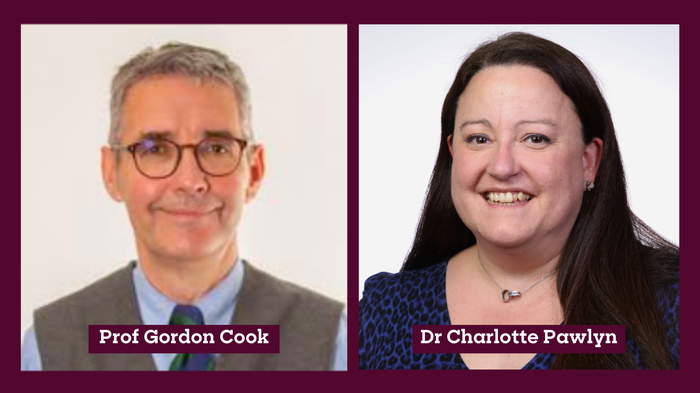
[(392, 303)]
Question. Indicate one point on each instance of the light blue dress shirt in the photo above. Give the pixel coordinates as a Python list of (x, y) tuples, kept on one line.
[(217, 307)]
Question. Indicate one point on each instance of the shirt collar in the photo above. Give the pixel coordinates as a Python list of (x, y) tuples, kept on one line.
[(217, 305)]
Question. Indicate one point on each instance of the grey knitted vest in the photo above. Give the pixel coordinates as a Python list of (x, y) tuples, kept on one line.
[(308, 325)]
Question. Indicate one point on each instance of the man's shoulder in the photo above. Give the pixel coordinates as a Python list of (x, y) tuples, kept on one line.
[(60, 326), (309, 322), (267, 285), (267, 300), (270, 289), (109, 289)]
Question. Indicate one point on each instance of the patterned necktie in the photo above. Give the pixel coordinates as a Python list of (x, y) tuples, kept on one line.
[(190, 315)]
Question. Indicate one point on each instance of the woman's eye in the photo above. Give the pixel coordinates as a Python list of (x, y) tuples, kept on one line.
[(478, 139), (537, 139)]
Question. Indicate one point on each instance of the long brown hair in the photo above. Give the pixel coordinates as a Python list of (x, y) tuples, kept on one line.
[(612, 263)]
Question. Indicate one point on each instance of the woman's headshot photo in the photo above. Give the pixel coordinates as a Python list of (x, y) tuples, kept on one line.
[(504, 180)]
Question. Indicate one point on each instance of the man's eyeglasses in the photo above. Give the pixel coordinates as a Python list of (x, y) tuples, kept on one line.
[(158, 158)]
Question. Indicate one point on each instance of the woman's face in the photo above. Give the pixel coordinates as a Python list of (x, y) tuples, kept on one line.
[(519, 161)]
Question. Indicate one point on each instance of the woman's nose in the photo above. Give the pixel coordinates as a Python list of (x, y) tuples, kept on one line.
[(504, 163)]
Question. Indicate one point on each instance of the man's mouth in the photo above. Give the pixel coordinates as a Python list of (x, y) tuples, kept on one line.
[(510, 198), (191, 213)]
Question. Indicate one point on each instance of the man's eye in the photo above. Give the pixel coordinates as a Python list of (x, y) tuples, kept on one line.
[(153, 148), (217, 148)]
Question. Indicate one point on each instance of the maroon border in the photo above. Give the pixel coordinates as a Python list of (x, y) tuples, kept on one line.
[(353, 13)]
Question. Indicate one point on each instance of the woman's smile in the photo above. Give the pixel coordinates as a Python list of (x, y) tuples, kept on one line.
[(507, 198)]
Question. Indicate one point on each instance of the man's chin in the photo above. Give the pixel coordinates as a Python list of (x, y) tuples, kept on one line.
[(167, 244), (185, 251)]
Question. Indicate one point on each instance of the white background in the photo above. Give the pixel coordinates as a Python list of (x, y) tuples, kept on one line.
[(406, 71), (73, 233)]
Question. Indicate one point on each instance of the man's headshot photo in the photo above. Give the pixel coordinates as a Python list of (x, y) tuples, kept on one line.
[(184, 173)]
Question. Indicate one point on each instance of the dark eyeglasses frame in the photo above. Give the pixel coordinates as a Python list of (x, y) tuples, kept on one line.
[(243, 143)]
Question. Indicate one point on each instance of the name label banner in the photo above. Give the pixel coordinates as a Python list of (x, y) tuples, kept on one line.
[(519, 339), (184, 338)]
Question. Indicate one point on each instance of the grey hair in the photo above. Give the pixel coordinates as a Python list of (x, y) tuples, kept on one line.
[(175, 58)]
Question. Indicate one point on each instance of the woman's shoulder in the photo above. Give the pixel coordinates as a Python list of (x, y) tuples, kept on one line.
[(391, 304), (668, 298), (666, 280), (669, 306), (389, 284), (665, 271)]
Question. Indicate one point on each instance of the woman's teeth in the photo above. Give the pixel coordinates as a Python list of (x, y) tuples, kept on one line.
[(503, 198)]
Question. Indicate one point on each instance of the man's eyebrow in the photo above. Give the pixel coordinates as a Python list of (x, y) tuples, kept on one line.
[(218, 134), (158, 134), (470, 122), (154, 134)]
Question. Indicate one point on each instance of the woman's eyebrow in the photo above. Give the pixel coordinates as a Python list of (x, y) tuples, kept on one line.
[(544, 121), (471, 122)]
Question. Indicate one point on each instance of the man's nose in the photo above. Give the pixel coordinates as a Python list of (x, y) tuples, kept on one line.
[(188, 175)]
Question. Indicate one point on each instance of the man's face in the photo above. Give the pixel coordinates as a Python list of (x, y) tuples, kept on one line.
[(189, 215)]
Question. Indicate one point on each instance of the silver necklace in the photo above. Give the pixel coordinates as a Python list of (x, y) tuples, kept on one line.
[(511, 294)]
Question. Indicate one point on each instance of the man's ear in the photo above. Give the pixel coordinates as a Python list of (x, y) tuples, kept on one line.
[(109, 173), (591, 159), (257, 171)]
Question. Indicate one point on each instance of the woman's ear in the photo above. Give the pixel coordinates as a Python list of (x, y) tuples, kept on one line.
[(449, 144), (591, 159)]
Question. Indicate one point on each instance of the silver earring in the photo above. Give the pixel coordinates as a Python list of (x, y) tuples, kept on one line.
[(589, 185)]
